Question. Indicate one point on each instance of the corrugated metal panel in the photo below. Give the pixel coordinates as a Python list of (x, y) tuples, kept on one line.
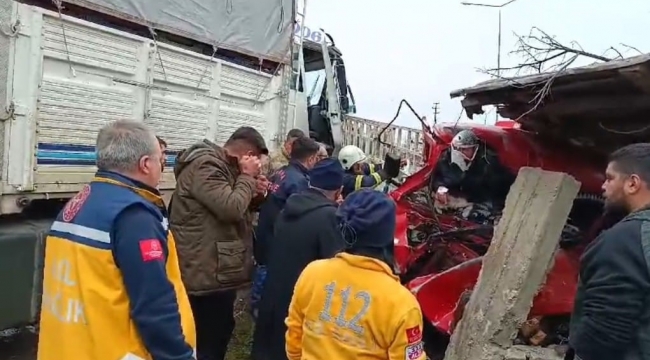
[(190, 71), (180, 122), (231, 118), (243, 84), (71, 113), (88, 46), (243, 95)]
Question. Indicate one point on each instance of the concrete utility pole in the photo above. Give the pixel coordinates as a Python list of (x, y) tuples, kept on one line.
[(496, 113), (435, 112), (520, 255)]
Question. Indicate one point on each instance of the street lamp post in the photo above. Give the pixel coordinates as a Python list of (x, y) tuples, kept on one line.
[(496, 115)]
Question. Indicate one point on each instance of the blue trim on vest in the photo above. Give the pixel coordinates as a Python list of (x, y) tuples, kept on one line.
[(99, 211)]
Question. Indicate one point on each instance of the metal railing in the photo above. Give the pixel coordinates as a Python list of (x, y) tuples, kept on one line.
[(404, 141)]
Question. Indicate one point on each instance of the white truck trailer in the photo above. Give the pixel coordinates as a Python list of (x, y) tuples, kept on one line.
[(67, 68)]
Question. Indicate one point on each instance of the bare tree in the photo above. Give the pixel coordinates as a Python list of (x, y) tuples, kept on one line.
[(541, 52)]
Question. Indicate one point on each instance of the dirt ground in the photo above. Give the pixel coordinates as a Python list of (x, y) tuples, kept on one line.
[(22, 346)]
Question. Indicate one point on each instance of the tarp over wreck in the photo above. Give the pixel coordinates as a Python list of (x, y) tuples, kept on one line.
[(262, 29)]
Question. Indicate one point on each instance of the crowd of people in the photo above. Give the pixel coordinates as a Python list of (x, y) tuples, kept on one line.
[(142, 279)]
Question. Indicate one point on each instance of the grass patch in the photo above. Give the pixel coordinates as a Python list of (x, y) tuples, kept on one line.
[(242, 338)]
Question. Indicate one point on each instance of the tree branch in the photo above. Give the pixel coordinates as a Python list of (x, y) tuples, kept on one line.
[(541, 52)]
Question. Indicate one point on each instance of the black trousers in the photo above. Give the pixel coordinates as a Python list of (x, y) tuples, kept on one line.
[(215, 323)]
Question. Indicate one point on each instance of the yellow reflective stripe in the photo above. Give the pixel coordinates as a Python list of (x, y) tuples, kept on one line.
[(371, 167), (358, 182), (377, 177)]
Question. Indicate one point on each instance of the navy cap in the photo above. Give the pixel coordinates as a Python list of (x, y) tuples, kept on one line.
[(367, 219), (327, 174)]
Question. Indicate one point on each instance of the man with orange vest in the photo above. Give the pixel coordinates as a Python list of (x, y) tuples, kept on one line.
[(112, 287)]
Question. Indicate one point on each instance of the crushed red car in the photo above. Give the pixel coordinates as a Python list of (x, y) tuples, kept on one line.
[(438, 254)]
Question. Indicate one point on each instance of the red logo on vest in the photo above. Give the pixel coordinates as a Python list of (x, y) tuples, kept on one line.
[(74, 205), (151, 250), (413, 335)]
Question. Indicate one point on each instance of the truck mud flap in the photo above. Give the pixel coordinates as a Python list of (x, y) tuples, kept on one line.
[(22, 246)]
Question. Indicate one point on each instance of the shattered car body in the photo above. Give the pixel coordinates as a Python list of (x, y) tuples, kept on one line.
[(438, 255)]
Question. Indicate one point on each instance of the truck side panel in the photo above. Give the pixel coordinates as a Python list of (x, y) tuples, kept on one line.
[(76, 76)]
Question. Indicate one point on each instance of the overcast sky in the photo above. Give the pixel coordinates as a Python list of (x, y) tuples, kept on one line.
[(421, 50)]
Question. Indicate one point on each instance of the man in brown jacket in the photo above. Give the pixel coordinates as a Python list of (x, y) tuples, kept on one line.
[(210, 216), (280, 157)]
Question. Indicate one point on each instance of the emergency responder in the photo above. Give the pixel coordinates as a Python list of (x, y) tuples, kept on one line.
[(163, 148), (468, 169), (112, 286), (307, 230), (211, 217), (353, 305), (281, 156), (288, 180), (358, 172)]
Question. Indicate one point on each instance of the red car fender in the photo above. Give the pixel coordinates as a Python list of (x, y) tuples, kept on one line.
[(439, 294)]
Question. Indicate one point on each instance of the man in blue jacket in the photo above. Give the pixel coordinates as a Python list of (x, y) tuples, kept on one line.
[(307, 229), (288, 180), (116, 262)]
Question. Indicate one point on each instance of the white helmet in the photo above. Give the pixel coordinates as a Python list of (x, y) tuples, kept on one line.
[(464, 147), (350, 155)]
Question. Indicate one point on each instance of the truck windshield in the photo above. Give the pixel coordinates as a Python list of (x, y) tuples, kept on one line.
[(315, 81)]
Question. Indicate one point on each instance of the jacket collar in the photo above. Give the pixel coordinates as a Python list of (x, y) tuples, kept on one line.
[(296, 164), (367, 263), (222, 154), (320, 195), (147, 192)]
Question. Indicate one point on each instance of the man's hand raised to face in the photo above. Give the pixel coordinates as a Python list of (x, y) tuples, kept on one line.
[(250, 165), (262, 184)]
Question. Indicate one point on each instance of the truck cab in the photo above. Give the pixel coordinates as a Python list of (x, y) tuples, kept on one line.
[(321, 87)]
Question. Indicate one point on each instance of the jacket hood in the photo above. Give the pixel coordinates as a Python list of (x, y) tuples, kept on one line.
[(307, 201), (192, 153)]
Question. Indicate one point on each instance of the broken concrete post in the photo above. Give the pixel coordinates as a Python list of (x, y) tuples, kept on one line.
[(515, 266)]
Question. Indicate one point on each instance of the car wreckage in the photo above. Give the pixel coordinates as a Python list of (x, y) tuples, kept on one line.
[(585, 114)]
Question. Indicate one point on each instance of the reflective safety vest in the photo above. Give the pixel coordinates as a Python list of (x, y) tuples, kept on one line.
[(85, 308)]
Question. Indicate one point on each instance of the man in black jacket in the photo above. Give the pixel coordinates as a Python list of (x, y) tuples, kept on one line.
[(470, 170), (306, 230), (611, 316)]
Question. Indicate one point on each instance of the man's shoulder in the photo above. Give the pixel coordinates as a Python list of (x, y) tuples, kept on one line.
[(625, 227), (208, 162), (623, 237), (276, 155), (317, 267)]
